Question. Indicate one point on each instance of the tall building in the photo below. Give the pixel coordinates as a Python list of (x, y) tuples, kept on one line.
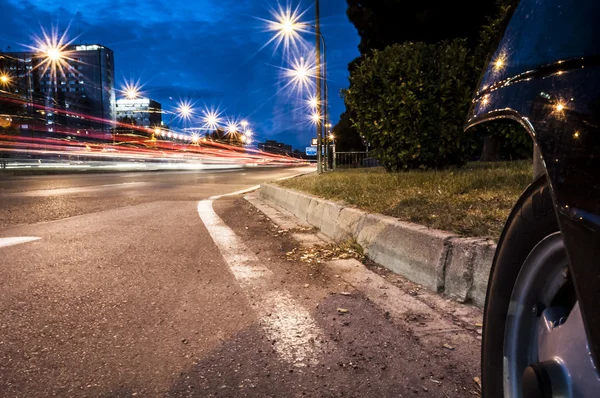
[(96, 71), (142, 112), (273, 146), (82, 88)]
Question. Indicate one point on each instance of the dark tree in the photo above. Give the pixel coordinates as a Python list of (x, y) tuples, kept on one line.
[(347, 139), (384, 22)]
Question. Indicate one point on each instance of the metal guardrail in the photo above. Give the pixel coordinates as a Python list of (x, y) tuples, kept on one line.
[(351, 160)]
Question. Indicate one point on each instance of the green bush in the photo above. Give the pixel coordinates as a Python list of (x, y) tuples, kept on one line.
[(411, 100)]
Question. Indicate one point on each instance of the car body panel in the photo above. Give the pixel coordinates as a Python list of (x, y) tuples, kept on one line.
[(545, 75)]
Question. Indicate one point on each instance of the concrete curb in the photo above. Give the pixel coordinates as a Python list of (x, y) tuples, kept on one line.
[(439, 260)]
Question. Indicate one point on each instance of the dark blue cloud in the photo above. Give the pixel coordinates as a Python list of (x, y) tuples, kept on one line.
[(208, 51)]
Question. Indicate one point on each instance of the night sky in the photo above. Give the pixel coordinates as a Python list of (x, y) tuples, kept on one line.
[(206, 51)]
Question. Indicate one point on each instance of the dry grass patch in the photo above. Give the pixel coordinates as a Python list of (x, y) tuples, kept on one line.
[(474, 200)]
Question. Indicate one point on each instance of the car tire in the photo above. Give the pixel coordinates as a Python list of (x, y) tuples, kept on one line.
[(532, 220)]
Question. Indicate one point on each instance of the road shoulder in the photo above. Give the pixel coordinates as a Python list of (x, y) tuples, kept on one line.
[(431, 343)]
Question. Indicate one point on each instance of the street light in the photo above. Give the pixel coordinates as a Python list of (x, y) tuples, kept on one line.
[(316, 118), (289, 28), (185, 110), (244, 123), (5, 80), (232, 127), (53, 51), (301, 74), (131, 89), (131, 93), (54, 54), (211, 119)]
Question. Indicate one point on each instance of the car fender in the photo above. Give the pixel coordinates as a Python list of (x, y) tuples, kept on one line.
[(545, 75)]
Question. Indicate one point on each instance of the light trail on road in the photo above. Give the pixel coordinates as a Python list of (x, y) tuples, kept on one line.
[(73, 147)]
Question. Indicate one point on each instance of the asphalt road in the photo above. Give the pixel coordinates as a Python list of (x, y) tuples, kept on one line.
[(137, 285), (31, 199)]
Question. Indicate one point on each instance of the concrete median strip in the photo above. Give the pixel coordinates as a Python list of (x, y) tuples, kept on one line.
[(443, 262)]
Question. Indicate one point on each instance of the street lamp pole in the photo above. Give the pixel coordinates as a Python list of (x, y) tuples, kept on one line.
[(318, 78), (322, 106), (326, 100), (287, 26)]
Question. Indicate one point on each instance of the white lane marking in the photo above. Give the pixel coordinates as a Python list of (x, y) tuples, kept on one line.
[(244, 265), (240, 192), (67, 191), (291, 328), (255, 187), (17, 240)]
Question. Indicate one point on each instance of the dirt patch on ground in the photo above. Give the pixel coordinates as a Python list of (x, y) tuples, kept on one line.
[(367, 355), (365, 352)]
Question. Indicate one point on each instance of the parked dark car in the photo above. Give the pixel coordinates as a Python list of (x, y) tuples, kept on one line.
[(542, 316)]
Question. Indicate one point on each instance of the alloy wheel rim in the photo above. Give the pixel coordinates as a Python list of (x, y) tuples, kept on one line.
[(544, 329)]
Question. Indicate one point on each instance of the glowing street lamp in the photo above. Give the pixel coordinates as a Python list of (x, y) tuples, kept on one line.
[(131, 93), (211, 119), (232, 128), (53, 50), (286, 26), (300, 74), (244, 123), (185, 110), (248, 132), (288, 30), (316, 118), (131, 89), (54, 54), (4, 80)]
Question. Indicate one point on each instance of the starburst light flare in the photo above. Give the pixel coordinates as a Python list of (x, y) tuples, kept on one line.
[(211, 119), (301, 74), (286, 27), (54, 52)]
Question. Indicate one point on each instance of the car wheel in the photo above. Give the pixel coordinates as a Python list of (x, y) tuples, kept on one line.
[(534, 342)]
